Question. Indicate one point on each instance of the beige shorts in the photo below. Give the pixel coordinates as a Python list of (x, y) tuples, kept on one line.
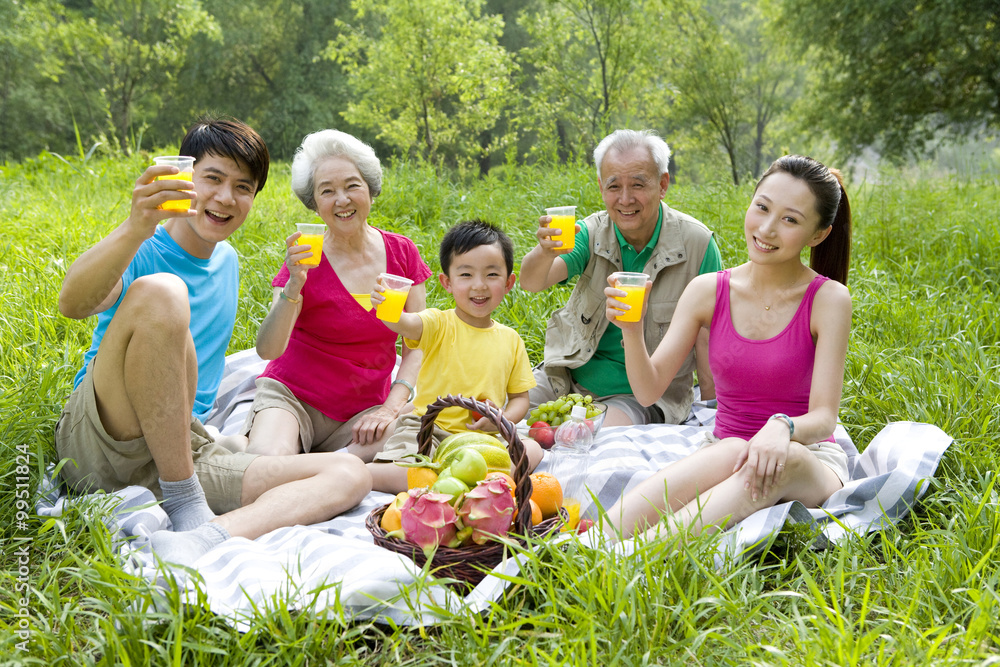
[(829, 454), (98, 461), (404, 439), (317, 432)]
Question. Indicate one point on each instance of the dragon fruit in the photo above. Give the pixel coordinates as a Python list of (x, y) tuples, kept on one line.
[(429, 520), (488, 509)]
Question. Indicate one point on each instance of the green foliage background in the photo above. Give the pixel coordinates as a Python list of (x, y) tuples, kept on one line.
[(476, 84)]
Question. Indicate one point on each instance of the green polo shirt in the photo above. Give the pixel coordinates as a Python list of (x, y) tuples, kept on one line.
[(604, 374)]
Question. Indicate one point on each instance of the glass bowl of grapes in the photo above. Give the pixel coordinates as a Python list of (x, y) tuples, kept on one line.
[(543, 420)]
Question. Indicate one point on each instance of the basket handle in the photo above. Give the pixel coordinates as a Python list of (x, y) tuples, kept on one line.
[(521, 474)]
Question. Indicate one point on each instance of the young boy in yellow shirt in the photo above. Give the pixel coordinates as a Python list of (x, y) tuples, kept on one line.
[(464, 350)]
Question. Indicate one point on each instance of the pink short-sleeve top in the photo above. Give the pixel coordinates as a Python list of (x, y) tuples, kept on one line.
[(340, 357)]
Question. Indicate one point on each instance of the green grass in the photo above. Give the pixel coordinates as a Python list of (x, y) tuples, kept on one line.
[(924, 347)]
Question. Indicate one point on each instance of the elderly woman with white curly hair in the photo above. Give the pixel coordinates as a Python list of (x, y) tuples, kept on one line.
[(328, 385)]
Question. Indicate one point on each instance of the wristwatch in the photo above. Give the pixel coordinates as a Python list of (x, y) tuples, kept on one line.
[(787, 419)]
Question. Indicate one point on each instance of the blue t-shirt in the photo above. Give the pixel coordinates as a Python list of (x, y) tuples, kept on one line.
[(213, 292)]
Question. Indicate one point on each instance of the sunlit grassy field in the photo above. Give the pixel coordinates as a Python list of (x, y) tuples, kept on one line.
[(924, 347)]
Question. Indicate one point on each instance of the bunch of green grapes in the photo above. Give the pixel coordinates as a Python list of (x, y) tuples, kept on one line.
[(556, 412)]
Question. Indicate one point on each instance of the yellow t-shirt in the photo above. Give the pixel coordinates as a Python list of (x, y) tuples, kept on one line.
[(463, 359)]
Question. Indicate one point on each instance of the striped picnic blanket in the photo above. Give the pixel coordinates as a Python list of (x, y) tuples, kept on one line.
[(336, 565)]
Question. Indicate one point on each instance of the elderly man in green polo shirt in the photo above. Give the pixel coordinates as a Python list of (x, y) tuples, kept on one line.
[(637, 232)]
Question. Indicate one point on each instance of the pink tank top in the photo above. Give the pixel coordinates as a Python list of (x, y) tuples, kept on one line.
[(755, 379)]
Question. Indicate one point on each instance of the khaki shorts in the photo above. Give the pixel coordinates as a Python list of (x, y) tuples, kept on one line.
[(829, 454), (404, 439), (637, 413), (98, 461), (317, 432)]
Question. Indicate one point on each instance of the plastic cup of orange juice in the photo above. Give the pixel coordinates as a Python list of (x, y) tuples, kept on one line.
[(572, 506), (185, 164), (634, 286), (563, 219), (396, 289), (312, 236)]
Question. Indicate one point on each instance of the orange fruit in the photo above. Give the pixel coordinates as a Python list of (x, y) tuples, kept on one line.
[(536, 513), (417, 478), (547, 493), (392, 519)]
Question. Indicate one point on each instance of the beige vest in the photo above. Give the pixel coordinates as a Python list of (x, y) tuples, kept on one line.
[(574, 330)]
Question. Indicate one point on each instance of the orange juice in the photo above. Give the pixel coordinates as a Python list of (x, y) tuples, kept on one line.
[(633, 297), (566, 224), (315, 241), (390, 309), (572, 506), (177, 204)]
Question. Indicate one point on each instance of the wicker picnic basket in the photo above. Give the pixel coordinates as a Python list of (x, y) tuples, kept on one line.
[(468, 565)]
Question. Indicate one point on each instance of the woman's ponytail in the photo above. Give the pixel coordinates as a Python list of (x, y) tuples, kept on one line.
[(832, 257)]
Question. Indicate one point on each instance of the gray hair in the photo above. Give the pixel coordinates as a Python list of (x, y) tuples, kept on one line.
[(333, 143), (625, 140)]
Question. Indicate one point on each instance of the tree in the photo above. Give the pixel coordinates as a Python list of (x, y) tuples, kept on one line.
[(731, 81), (595, 66), (30, 111), (130, 51), (267, 70), (894, 73), (429, 77)]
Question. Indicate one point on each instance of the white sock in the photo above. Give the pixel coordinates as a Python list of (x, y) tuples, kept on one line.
[(185, 504), (187, 547)]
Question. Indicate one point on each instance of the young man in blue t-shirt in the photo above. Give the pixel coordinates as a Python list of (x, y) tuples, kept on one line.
[(166, 296)]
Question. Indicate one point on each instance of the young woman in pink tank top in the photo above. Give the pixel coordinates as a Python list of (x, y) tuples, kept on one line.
[(778, 335)]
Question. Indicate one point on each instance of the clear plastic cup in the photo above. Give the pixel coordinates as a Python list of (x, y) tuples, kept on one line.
[(634, 286), (312, 236), (185, 164), (396, 289), (563, 219)]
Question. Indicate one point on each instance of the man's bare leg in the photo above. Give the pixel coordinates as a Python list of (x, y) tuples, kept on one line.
[(278, 491), (145, 379)]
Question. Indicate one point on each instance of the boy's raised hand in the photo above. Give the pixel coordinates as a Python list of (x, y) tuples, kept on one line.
[(149, 195), (409, 325)]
